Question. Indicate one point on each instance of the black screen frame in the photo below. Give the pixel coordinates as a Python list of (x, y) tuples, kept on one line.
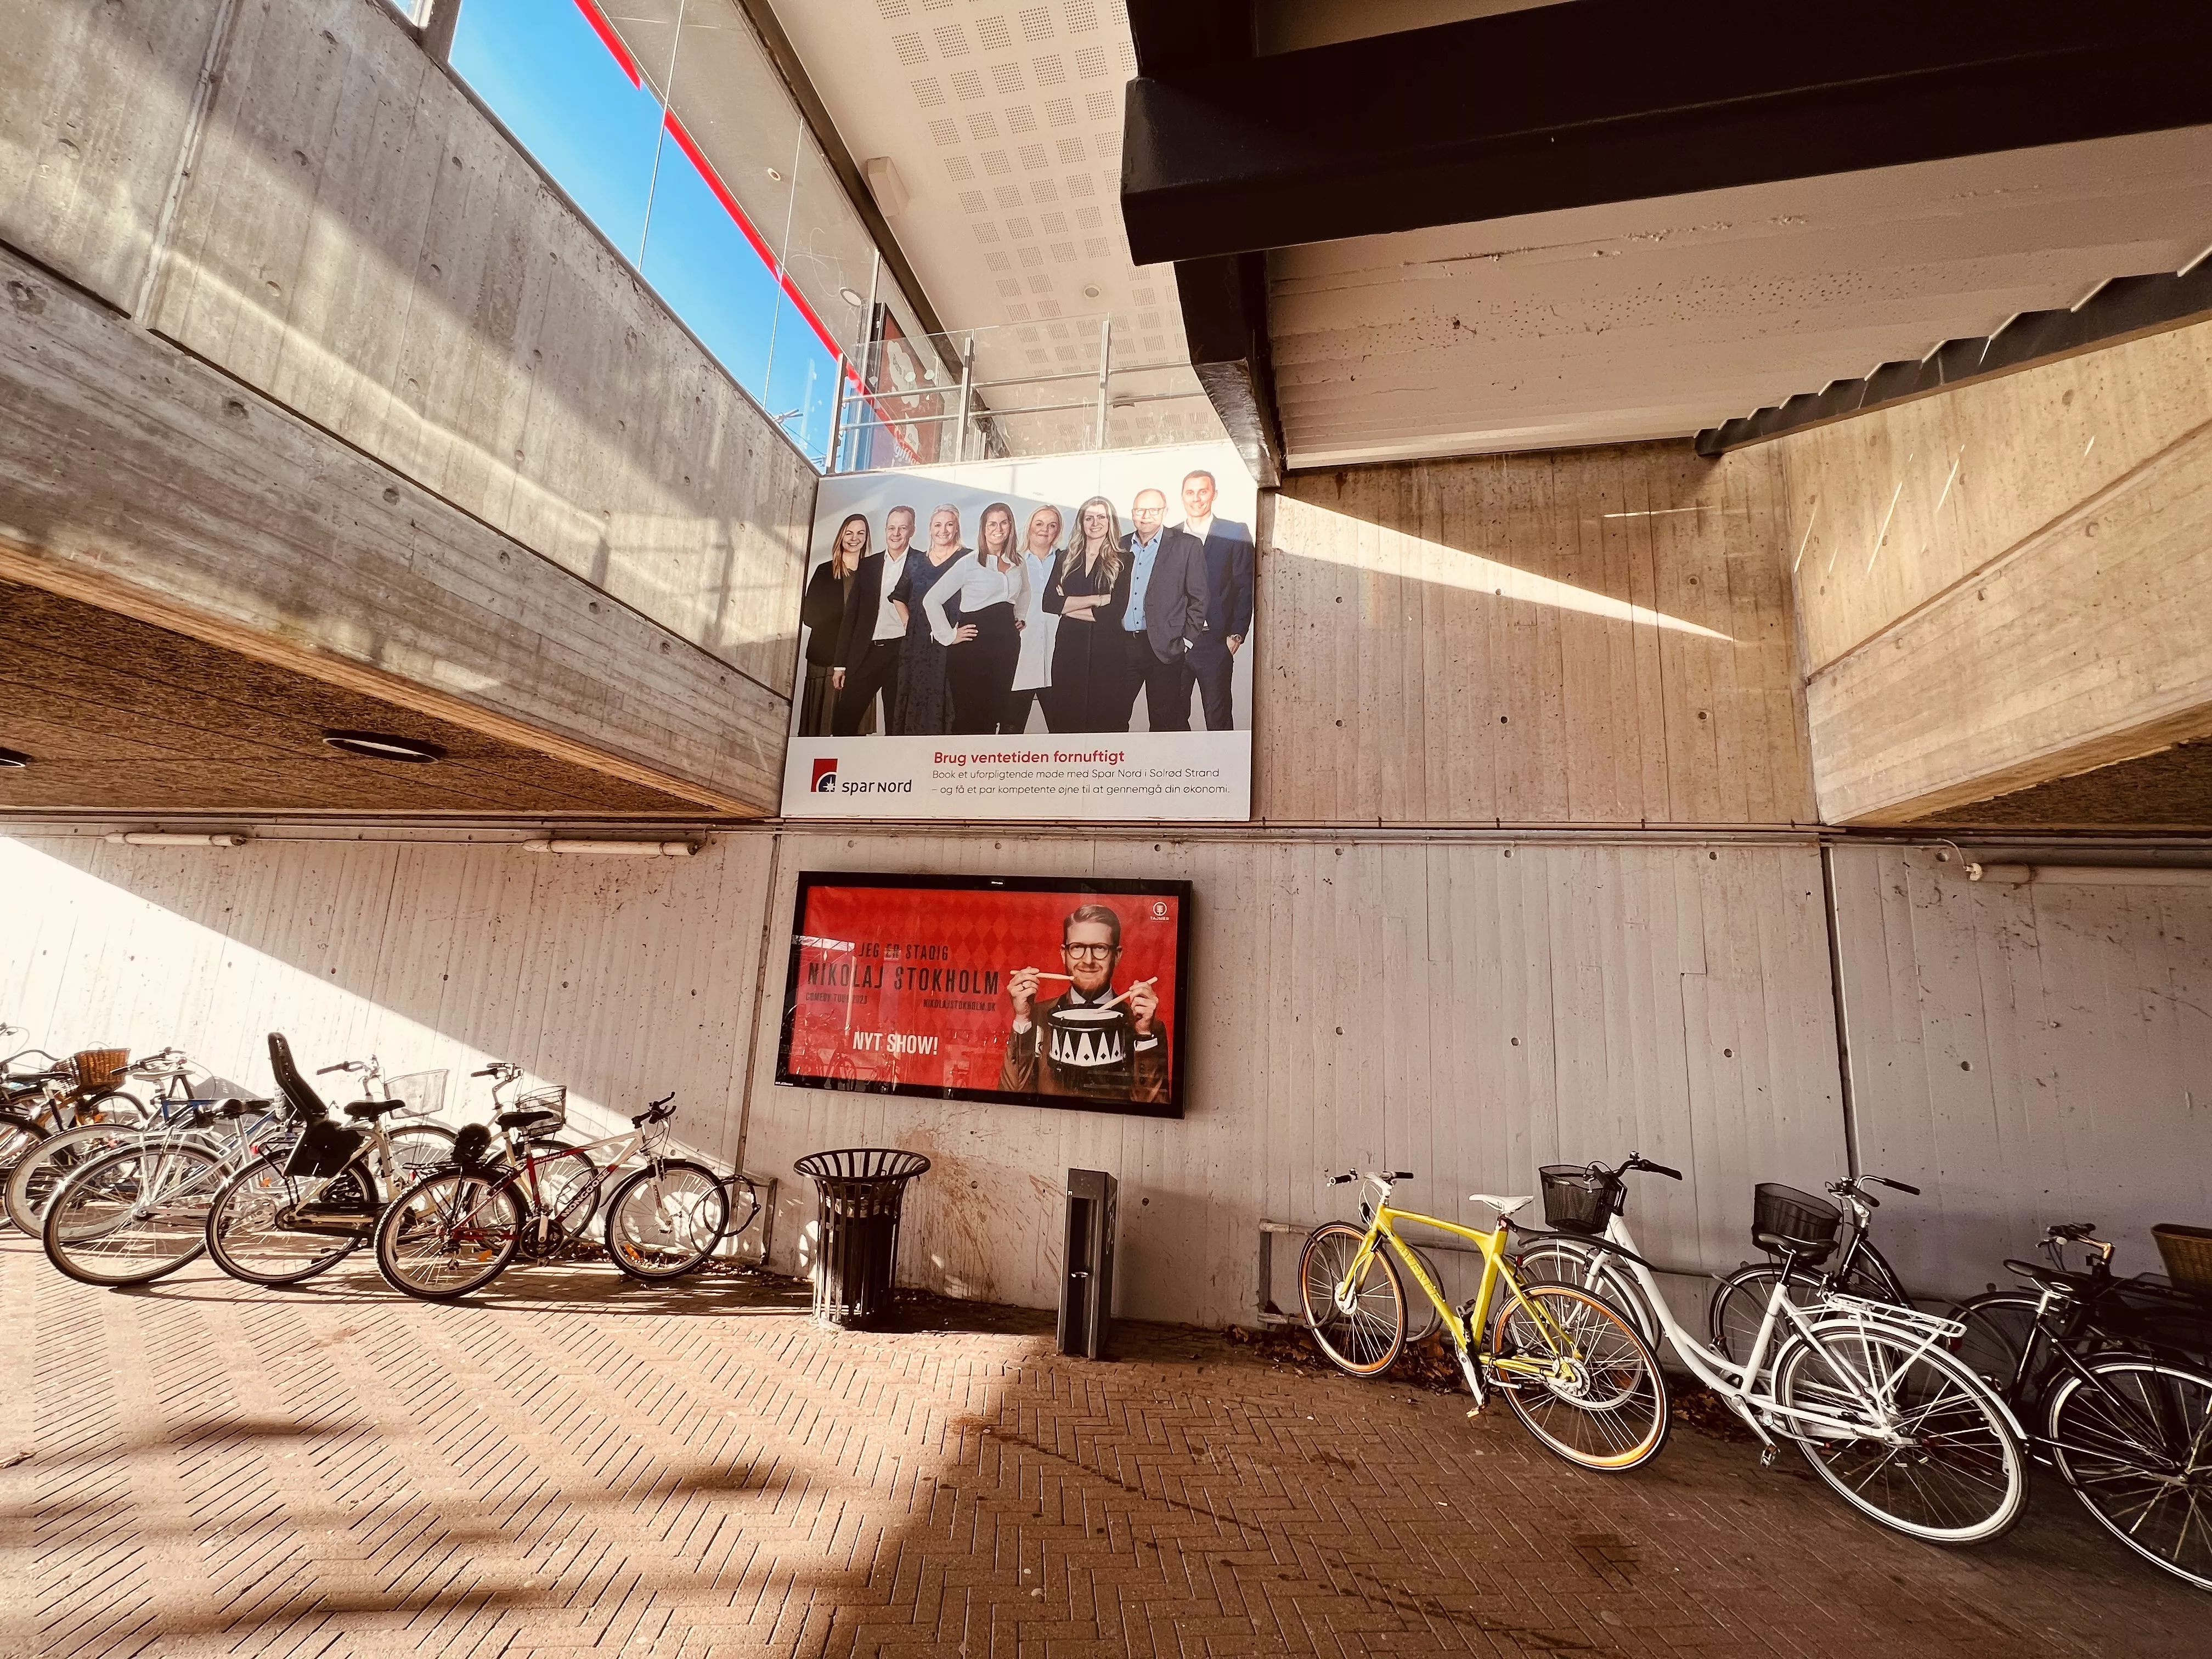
[(1179, 1038)]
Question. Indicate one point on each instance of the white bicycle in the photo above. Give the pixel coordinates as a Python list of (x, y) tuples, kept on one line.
[(1867, 1390)]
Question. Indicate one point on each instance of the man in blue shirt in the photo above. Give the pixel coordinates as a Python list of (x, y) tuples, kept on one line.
[(1166, 615)]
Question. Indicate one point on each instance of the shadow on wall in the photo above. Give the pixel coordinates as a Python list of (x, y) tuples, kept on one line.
[(594, 973)]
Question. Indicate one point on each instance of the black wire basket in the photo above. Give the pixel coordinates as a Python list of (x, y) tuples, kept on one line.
[(1578, 1198), (1783, 1216)]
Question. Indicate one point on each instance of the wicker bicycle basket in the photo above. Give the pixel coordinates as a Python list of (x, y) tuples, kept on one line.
[(550, 1104), (1577, 1198), (2187, 1254), (424, 1092), (1803, 1220), (99, 1068)]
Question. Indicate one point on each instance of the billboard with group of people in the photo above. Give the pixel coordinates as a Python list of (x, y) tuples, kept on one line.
[(1067, 638)]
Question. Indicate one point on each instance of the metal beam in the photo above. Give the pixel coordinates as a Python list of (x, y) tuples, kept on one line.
[(1610, 100), (2125, 309)]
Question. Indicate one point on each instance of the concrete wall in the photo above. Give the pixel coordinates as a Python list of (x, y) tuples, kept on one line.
[(1597, 636), (2008, 583), (293, 194), (2027, 1054), (1467, 1010)]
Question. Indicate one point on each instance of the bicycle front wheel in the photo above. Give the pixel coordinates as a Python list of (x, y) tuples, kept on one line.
[(1739, 1308), (1927, 1450), (449, 1234), (132, 1216), (1600, 1400), (2135, 1445), (269, 1228), (1358, 1325), (1570, 1261), (666, 1220), (17, 1136)]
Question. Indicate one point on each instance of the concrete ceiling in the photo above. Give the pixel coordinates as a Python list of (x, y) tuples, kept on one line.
[(1003, 118), (120, 716), (1657, 318)]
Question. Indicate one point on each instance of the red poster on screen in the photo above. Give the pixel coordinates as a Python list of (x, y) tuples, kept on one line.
[(1035, 992)]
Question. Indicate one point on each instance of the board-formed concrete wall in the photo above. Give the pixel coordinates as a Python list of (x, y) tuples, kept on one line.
[(1466, 1011), (295, 194), (2006, 583)]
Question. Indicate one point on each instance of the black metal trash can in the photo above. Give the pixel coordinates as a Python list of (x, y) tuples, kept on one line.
[(859, 1192)]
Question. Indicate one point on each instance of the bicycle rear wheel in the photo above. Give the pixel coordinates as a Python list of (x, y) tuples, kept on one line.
[(269, 1228), (664, 1220), (1361, 1331), (1934, 1456), (2135, 1446), (44, 1167), (18, 1136), (1602, 1401), (132, 1216), (449, 1234)]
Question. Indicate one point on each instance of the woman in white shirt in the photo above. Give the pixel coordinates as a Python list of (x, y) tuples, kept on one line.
[(1033, 671), (993, 592)]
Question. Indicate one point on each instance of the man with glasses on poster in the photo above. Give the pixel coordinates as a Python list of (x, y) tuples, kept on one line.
[(1087, 1042)]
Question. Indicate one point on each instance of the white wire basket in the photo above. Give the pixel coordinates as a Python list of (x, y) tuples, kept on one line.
[(424, 1092)]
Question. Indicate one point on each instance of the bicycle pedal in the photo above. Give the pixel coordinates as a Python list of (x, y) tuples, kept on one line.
[(1766, 1456), (1474, 1411)]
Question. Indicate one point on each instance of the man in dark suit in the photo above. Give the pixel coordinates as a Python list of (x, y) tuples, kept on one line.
[(1166, 616), (868, 645), (1229, 559)]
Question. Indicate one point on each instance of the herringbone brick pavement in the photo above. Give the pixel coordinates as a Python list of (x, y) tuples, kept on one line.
[(576, 1465)]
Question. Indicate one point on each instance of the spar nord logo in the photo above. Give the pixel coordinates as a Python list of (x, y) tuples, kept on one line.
[(826, 782)]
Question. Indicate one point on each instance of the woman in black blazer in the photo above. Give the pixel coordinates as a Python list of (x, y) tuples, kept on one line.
[(1089, 592), (823, 613)]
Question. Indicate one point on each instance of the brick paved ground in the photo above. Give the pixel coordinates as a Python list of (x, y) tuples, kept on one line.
[(578, 1465)]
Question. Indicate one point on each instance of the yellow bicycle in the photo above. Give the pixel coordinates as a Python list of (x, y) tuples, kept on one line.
[(1575, 1368)]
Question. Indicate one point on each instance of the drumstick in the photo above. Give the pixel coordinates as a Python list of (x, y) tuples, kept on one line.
[(1154, 980), (1042, 973)]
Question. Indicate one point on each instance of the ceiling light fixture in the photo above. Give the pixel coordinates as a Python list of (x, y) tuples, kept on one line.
[(775, 174), (382, 746), (159, 838), (851, 296), (671, 849), (14, 757), (1090, 290)]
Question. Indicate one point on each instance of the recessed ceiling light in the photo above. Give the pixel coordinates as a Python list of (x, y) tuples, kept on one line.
[(1090, 290), (14, 757), (775, 174), (382, 746), (851, 296)]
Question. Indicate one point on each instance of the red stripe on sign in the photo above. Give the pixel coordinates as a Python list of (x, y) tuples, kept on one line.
[(609, 40)]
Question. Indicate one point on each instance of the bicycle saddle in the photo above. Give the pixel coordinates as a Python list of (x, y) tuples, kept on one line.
[(521, 1118), (367, 1110), (1505, 1206)]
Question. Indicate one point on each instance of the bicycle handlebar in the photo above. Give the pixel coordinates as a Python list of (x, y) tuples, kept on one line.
[(659, 1112), (1637, 1161), (342, 1065)]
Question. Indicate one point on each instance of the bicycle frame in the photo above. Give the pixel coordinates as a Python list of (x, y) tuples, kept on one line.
[(1739, 1384), (1467, 1334)]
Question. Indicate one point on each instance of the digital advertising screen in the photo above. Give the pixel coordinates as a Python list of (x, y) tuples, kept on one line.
[(1032, 991)]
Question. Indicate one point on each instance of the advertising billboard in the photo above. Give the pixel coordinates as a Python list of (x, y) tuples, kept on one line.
[(1063, 638), (1029, 991)]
